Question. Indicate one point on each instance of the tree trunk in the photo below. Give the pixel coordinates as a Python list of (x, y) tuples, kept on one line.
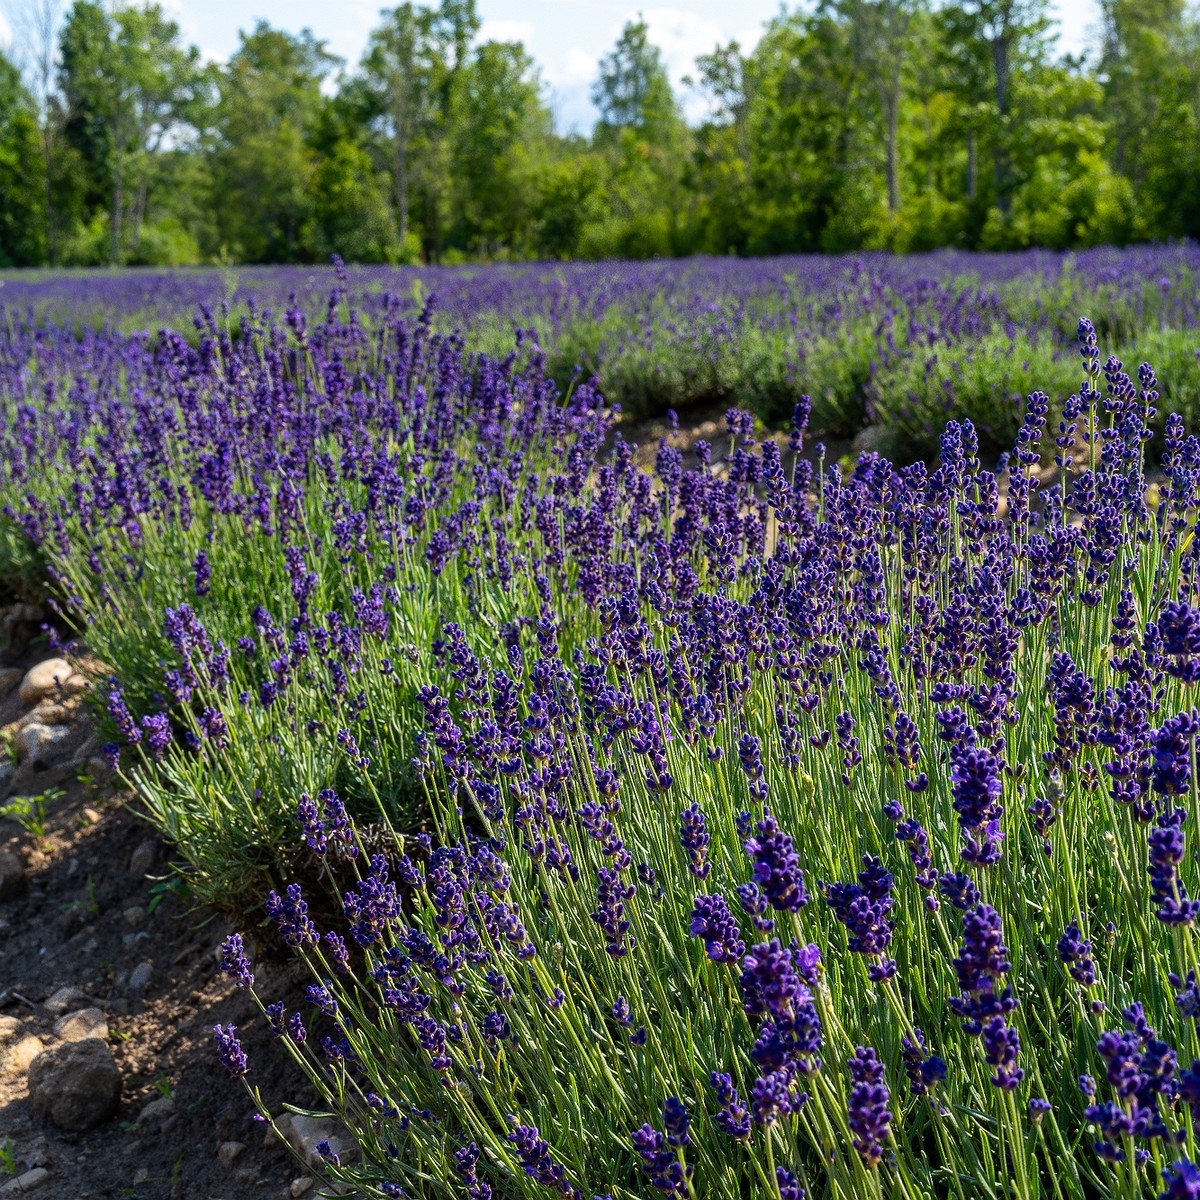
[(1000, 159), (117, 201), (893, 142), (972, 168)]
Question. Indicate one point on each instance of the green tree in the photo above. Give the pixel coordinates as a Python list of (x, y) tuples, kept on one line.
[(130, 87), (408, 76), (21, 183), (262, 164), (632, 90), (498, 123)]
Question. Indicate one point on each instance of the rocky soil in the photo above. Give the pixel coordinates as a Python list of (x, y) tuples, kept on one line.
[(109, 981)]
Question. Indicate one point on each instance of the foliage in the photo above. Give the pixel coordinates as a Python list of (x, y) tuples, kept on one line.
[(851, 125)]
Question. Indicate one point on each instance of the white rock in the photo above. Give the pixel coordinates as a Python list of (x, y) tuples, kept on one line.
[(229, 1152), (66, 999), (157, 1110), (44, 680), (140, 976), (86, 1023), (141, 1175), (25, 1183), (306, 1133), (36, 742), (9, 1028), (302, 1186), (22, 1054)]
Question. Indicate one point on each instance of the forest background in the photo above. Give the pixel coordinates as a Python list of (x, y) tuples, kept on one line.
[(853, 124)]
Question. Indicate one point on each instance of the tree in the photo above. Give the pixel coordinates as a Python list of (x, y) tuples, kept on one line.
[(1011, 34), (879, 40), (130, 86), (36, 25), (409, 72), (497, 118), (632, 90), (263, 165), (21, 194)]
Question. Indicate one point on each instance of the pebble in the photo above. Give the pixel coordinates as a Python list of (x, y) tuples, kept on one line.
[(142, 859), (141, 1175), (306, 1133), (302, 1185), (140, 976), (45, 679), (134, 916), (156, 1110), (9, 1028), (76, 1085), (86, 1023), (66, 999), (22, 1054), (52, 714), (90, 816), (12, 874), (35, 743), (25, 1183), (229, 1152)]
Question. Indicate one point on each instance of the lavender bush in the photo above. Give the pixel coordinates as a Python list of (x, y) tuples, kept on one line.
[(786, 829), (849, 858)]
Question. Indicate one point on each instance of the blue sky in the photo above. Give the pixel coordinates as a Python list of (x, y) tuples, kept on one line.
[(565, 37)]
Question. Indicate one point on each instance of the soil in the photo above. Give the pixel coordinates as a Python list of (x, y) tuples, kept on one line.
[(98, 899)]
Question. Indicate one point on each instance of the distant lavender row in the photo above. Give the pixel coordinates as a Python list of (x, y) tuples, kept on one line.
[(543, 295), (874, 339)]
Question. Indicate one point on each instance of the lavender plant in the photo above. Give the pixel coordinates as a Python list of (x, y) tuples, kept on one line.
[(788, 828), (849, 856)]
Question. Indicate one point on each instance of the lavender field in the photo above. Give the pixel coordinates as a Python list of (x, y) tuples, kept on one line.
[(738, 824), (904, 343)]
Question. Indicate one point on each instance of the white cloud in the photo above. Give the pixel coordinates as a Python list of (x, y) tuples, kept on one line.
[(682, 36), (574, 68), (505, 31)]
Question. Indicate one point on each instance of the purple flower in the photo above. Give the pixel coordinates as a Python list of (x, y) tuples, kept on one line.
[(714, 923), (229, 1050), (1001, 1045), (203, 573), (776, 866), (291, 915), (867, 1107), (864, 908), (234, 962), (1181, 1181), (981, 964), (157, 729), (732, 1118), (1166, 853), (1075, 954), (694, 839), (535, 1158)]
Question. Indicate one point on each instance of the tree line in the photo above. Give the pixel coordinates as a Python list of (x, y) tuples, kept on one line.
[(890, 124)]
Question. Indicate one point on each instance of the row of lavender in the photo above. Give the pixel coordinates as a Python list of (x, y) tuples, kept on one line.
[(787, 830), (904, 343)]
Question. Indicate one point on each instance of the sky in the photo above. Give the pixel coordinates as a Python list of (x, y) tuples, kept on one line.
[(565, 37)]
